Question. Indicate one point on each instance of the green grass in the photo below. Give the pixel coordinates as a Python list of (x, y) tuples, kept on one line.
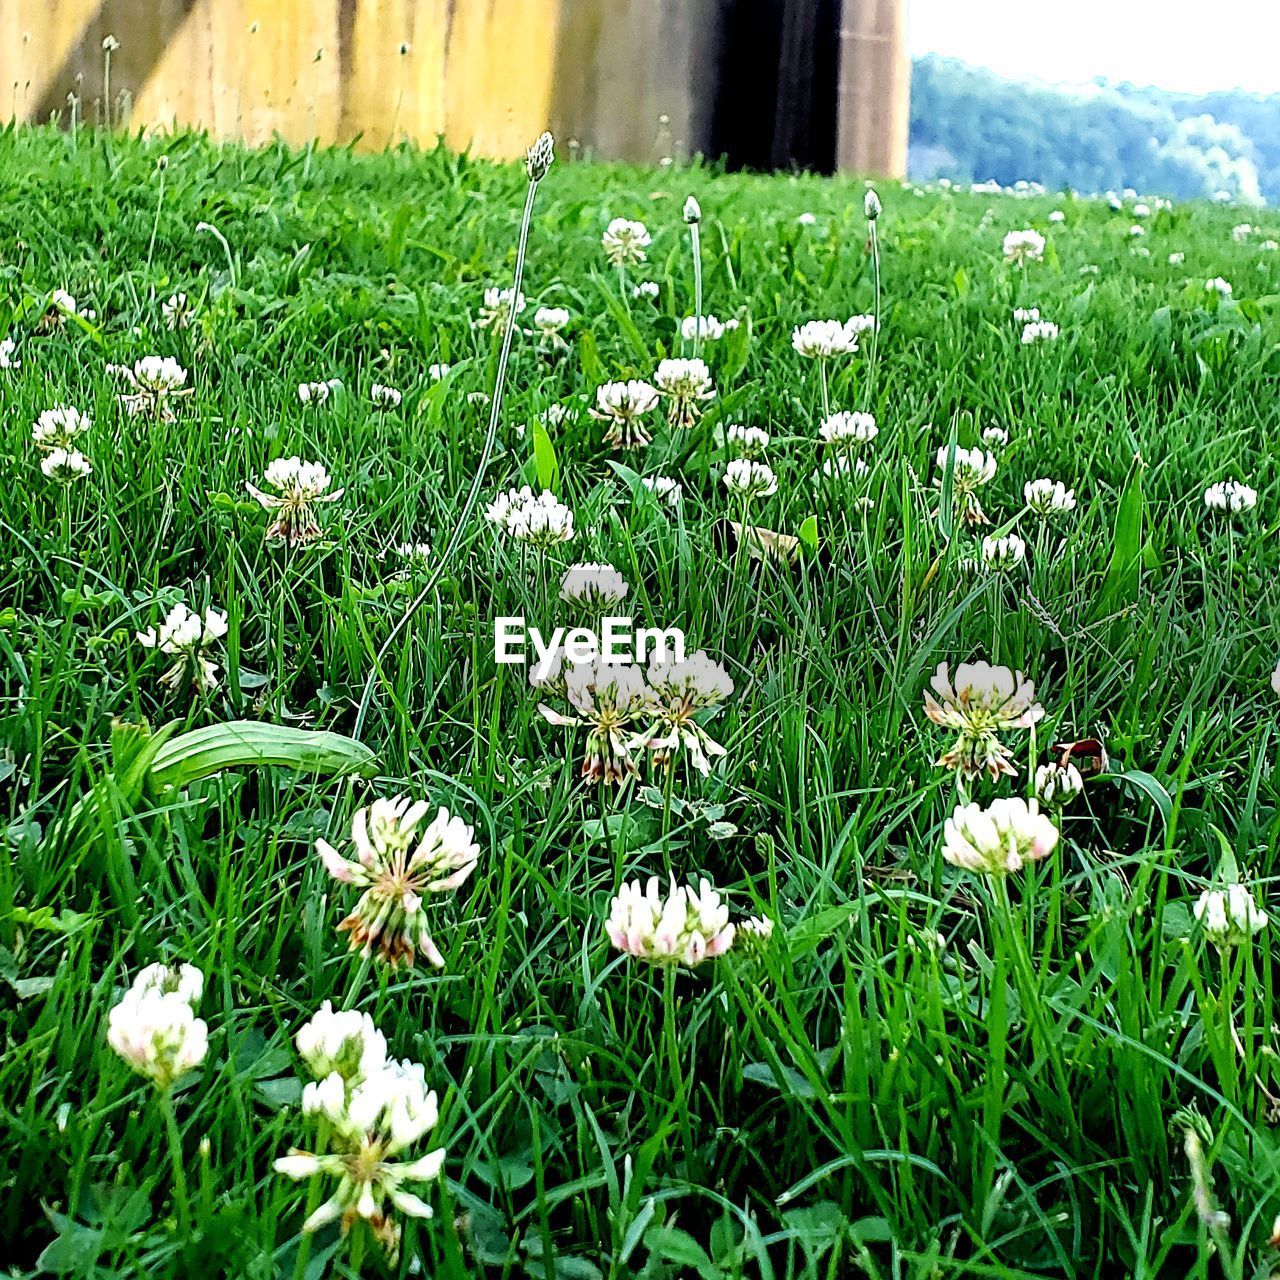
[(920, 1078)]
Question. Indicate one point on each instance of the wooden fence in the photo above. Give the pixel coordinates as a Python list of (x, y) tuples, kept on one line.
[(629, 79)]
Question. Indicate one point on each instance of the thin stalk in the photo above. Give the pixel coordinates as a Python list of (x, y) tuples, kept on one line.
[(674, 1065), (181, 1198), (155, 226), (696, 241), (473, 495), (872, 365), (826, 402)]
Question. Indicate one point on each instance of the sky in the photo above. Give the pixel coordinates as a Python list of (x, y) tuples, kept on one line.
[(1185, 45)]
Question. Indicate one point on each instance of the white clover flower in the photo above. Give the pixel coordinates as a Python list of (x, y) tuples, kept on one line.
[(1039, 331), (1269, 246), (806, 219), (607, 698), (996, 436), (823, 339), (541, 520), (973, 469), (1275, 681), (753, 935), (558, 414), (299, 487), (8, 354), (376, 1107), (625, 241), (549, 321), (1241, 231), (1230, 496), (1023, 246), (678, 692), (598, 586), (847, 430), (665, 489), (1135, 231), (1230, 916), (1057, 784), (384, 397), (185, 636), (154, 1027), (1219, 286), (860, 324), (59, 428), (437, 371), (1141, 211), (1026, 315), (645, 289), (155, 382), (65, 465), (982, 702), (747, 479), (341, 1042), (687, 927), (61, 305), (622, 405), (999, 839), (746, 441), (692, 211), (685, 385), (176, 311), (1057, 216), (704, 328), (1176, 259), (318, 392), (496, 308), (396, 867), (1003, 553), (871, 205), (1049, 497)]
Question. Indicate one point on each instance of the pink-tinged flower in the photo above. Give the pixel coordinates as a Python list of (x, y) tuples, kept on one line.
[(155, 1029), (396, 867), (687, 927), (678, 692), (983, 702), (299, 487), (607, 698), (999, 839)]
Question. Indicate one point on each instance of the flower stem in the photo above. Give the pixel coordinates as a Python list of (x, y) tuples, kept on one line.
[(673, 1057), (181, 1198), (875, 332), (696, 242), (826, 403)]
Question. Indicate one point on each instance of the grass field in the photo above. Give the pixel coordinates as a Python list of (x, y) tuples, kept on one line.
[(924, 1071)]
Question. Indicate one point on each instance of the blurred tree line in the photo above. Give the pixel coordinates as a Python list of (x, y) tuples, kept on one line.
[(970, 125)]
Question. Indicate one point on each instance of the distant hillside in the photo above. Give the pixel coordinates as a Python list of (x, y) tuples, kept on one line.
[(971, 125)]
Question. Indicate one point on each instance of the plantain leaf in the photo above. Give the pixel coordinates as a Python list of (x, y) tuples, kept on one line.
[(1120, 586)]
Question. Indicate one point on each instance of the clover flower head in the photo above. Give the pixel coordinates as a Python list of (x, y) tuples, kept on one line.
[(1057, 216), (687, 927), (842, 467), (1049, 498), (60, 427), (645, 289), (1023, 246), (1219, 286), (9, 354), (541, 520), (385, 397), (666, 489), (1229, 917), (622, 405), (625, 242), (318, 393), (437, 371), (377, 1107), (154, 1027), (1004, 553), (155, 382), (973, 469), (806, 219), (396, 866), (1230, 496), (1039, 331), (685, 385), (1177, 258), (753, 935), (299, 486), (550, 320), (847, 430), (176, 311), (61, 305), (998, 437), (746, 441), (679, 690), (597, 586), (186, 636), (705, 328), (1057, 784), (823, 339), (999, 839), (497, 308), (1275, 681), (65, 465), (1026, 315), (750, 480), (980, 703), (606, 698)]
